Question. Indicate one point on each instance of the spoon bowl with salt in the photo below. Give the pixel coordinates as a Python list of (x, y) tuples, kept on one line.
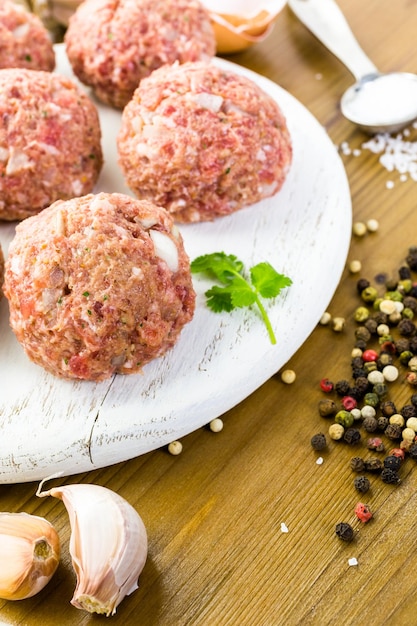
[(376, 102)]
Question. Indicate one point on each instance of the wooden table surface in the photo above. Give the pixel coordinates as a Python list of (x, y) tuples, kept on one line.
[(217, 551)]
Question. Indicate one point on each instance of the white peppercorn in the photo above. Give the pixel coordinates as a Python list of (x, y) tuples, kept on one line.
[(175, 448), (408, 434), (216, 425), (288, 376), (412, 423), (336, 431), (325, 318), (372, 225), (397, 419), (359, 229), (375, 377), (368, 411), (390, 373)]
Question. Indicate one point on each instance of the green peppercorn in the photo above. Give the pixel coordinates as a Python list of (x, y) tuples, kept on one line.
[(408, 313), (369, 294), (345, 418), (405, 285), (396, 296), (405, 357), (371, 399), (361, 314), (345, 531)]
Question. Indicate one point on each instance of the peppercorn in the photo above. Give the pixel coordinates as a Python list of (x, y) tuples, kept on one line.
[(358, 372), (363, 512), (383, 422), (375, 443), (326, 385), (408, 434), (410, 302), (370, 424), (388, 408), (342, 387), (380, 317), (362, 333), (372, 399), (349, 403), (405, 357), (412, 363), (404, 272), (327, 408), (369, 294), (336, 431), (390, 373), (368, 411), (375, 377), (411, 261), (414, 399), (369, 366), (406, 328), (352, 436), (373, 464), (344, 531), (412, 423), (345, 418), (397, 452), (362, 484), (318, 441), (371, 324), (380, 389), (402, 345), (397, 419), (411, 378), (362, 284), (390, 477), (392, 462), (413, 345), (408, 410), (361, 385), (370, 355), (412, 451), (361, 314), (393, 431), (360, 344), (357, 464), (338, 324)]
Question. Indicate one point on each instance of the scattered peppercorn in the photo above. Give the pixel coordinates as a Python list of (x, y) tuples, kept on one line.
[(390, 476), (363, 512), (362, 484), (352, 436), (345, 531), (318, 441), (357, 464), (327, 408), (393, 431), (370, 424), (392, 462), (373, 464), (342, 387), (375, 443), (412, 451), (326, 385)]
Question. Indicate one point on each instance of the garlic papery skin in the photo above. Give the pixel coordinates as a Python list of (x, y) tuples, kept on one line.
[(108, 545), (29, 554)]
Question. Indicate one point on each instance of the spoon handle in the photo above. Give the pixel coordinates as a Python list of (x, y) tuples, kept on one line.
[(326, 21)]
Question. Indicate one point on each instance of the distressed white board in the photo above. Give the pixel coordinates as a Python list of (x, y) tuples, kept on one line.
[(50, 425)]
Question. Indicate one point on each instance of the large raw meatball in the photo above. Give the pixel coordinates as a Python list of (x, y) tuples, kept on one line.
[(24, 40), (49, 141), (203, 142), (113, 44), (98, 285)]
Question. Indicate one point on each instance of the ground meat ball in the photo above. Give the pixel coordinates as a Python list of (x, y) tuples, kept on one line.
[(98, 285), (113, 44), (203, 142), (49, 141), (24, 40)]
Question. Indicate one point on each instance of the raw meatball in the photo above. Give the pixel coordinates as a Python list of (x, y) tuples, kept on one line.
[(24, 40), (113, 44), (49, 141), (203, 142), (98, 285)]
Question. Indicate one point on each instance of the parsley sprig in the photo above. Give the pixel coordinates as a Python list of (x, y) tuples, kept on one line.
[(236, 290)]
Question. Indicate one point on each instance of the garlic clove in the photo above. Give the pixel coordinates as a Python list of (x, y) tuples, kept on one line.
[(29, 555), (108, 545)]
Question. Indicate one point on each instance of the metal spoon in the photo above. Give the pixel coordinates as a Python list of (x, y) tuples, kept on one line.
[(377, 103)]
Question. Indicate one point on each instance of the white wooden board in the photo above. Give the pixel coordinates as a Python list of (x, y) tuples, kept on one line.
[(49, 425)]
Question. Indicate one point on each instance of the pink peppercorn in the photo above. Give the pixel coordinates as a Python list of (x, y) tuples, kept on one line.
[(363, 512), (369, 355), (397, 452), (326, 385), (349, 403)]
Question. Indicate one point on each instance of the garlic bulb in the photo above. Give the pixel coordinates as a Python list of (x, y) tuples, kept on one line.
[(29, 554), (108, 545)]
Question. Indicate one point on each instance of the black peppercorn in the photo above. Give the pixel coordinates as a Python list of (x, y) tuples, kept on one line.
[(390, 476), (371, 324), (392, 462), (412, 451), (344, 531), (404, 272), (408, 410), (352, 435), (362, 284), (342, 387), (370, 424), (362, 333), (357, 464), (362, 484), (380, 318), (361, 344), (318, 441), (402, 345), (388, 408), (410, 302), (393, 431), (414, 399), (362, 385), (382, 422), (373, 464), (358, 372), (411, 261), (406, 327)]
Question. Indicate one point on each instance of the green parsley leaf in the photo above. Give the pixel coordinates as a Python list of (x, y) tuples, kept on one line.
[(237, 291)]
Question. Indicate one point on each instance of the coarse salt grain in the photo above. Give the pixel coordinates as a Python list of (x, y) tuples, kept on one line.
[(389, 184), (284, 528), (353, 561), (320, 460)]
